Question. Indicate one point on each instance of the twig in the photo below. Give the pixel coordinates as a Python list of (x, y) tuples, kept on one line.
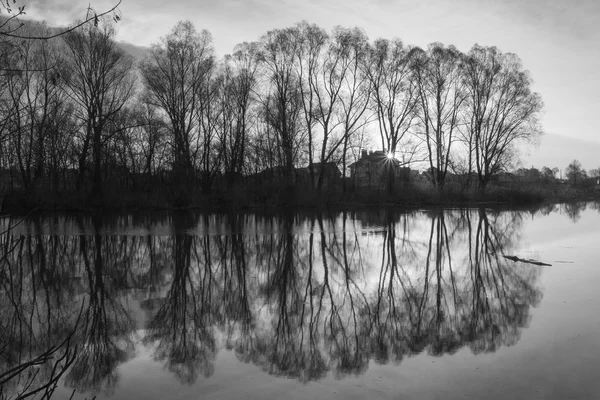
[(88, 18), (66, 359)]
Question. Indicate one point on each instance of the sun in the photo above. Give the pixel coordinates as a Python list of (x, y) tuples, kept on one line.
[(390, 156)]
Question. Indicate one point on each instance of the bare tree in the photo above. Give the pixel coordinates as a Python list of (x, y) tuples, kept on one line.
[(394, 97), (152, 139), (437, 74), (175, 74), (211, 121), (355, 92), (312, 42), (240, 83), (338, 89), (502, 109), (100, 81), (393, 90), (283, 100)]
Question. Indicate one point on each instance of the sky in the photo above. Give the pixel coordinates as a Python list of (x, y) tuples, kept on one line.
[(557, 40)]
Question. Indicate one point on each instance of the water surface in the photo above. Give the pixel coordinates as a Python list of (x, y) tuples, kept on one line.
[(384, 304)]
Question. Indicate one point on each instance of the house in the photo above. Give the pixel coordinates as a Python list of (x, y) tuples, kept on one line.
[(374, 169)]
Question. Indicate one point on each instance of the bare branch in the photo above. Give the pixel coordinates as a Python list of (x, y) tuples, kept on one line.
[(89, 18)]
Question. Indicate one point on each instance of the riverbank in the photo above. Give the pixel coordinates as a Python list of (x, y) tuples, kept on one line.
[(248, 197)]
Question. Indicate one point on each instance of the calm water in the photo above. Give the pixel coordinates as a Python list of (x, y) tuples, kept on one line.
[(418, 305)]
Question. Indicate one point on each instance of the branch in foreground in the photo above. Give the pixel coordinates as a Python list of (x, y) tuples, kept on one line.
[(89, 18), (60, 357)]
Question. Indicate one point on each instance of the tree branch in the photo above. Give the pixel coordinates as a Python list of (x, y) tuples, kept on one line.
[(88, 18)]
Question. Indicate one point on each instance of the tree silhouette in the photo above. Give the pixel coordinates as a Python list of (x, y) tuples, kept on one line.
[(502, 110), (106, 333), (300, 296), (183, 326), (575, 173)]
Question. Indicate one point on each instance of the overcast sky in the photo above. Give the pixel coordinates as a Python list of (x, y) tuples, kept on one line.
[(557, 40)]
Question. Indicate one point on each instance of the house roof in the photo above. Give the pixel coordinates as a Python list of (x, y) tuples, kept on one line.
[(375, 157)]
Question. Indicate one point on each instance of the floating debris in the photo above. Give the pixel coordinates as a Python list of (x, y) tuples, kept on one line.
[(530, 261)]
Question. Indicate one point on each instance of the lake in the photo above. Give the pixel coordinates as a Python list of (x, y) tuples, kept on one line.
[(418, 304)]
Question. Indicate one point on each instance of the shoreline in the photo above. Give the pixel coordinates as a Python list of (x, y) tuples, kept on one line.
[(295, 198)]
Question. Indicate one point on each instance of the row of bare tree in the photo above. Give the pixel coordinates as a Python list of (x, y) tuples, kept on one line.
[(300, 305), (79, 111)]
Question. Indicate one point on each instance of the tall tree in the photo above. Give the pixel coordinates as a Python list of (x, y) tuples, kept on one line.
[(441, 94), (212, 120), (502, 109), (152, 139), (548, 174), (100, 80), (394, 93), (394, 97), (283, 100), (355, 93), (311, 43), (338, 91), (176, 73), (240, 83), (575, 172)]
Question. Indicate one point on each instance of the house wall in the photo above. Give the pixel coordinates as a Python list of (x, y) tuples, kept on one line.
[(375, 175)]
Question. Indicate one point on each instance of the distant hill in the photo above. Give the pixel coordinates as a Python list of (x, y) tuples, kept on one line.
[(138, 52)]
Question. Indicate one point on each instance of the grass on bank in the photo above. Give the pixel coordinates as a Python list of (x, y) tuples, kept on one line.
[(272, 195)]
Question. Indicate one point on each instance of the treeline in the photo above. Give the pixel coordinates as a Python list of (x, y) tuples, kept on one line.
[(574, 173), (78, 115)]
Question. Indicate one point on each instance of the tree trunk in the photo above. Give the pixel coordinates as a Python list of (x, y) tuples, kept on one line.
[(96, 194)]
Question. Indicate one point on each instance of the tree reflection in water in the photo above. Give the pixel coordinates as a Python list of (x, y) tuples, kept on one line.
[(574, 209), (61, 295), (183, 325), (35, 342), (297, 295), (105, 340), (183, 328)]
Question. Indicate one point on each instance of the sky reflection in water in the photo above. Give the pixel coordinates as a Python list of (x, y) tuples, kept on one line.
[(298, 296)]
